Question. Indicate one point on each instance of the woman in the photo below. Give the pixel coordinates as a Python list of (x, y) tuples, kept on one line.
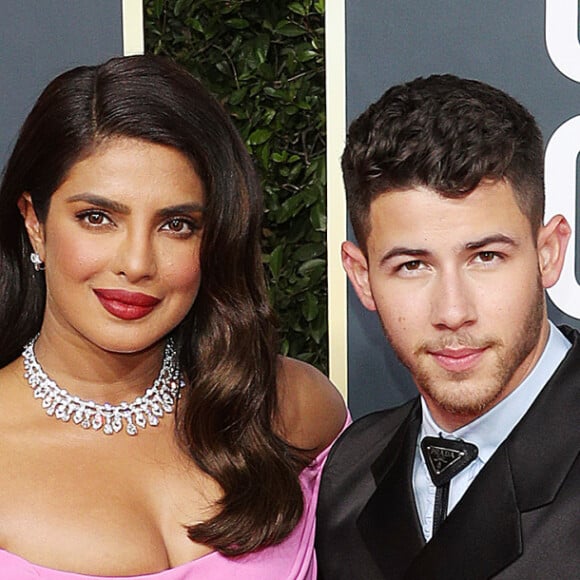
[(147, 426)]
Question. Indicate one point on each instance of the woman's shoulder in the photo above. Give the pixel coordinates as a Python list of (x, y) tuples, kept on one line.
[(311, 410)]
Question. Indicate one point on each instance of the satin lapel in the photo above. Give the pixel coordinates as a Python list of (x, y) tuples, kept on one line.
[(481, 535), (388, 523)]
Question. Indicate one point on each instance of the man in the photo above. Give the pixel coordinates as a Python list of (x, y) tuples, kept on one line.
[(479, 476)]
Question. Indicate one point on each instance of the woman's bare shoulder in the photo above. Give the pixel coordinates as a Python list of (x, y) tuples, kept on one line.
[(312, 411)]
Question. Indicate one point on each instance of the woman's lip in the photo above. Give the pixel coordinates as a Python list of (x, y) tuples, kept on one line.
[(127, 297), (126, 305), (458, 360)]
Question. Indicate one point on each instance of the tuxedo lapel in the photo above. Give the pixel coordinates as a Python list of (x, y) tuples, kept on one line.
[(388, 524)]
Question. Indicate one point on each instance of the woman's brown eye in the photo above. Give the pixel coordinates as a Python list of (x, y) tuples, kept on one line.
[(179, 226), (95, 218)]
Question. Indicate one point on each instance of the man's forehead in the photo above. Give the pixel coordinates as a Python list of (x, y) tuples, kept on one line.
[(414, 199), (419, 215)]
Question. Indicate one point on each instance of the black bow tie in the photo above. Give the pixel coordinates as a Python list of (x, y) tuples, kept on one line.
[(445, 458)]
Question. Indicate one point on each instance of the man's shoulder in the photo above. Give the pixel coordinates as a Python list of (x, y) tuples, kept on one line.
[(573, 335), (372, 430), (361, 444), (348, 480)]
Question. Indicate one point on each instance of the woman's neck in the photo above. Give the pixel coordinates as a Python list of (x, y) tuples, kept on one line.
[(89, 372)]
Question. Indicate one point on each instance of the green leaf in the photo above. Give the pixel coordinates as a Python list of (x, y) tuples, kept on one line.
[(263, 153), (319, 327), (318, 217), (284, 347), (275, 261), (238, 23), (298, 8), (259, 136), (290, 207), (290, 29), (305, 52), (238, 96), (308, 251), (196, 25), (224, 67), (312, 266), (178, 7), (310, 307)]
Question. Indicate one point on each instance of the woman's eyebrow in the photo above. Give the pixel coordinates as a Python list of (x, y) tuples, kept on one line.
[(100, 201), (182, 208), (118, 207)]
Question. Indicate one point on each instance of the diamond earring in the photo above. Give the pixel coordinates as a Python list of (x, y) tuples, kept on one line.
[(38, 263)]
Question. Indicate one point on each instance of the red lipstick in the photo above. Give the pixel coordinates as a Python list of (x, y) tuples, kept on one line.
[(126, 305)]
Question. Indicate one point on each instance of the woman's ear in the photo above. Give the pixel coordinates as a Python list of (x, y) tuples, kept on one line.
[(34, 227), (357, 270), (552, 242)]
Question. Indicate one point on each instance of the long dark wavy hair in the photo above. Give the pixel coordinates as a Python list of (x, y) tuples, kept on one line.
[(227, 342)]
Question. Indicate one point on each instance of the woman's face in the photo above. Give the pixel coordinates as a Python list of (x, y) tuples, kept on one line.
[(121, 245)]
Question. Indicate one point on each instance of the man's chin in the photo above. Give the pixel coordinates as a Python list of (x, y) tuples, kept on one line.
[(460, 396)]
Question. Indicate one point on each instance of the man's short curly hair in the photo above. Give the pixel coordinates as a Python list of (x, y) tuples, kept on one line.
[(447, 134)]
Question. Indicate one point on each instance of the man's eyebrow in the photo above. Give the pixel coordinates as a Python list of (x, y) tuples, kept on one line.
[(493, 239), (399, 251), (403, 251), (100, 201)]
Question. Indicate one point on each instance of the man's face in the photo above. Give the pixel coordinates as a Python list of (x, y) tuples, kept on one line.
[(459, 287)]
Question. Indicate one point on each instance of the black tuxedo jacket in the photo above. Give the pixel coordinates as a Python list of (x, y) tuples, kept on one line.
[(520, 518)]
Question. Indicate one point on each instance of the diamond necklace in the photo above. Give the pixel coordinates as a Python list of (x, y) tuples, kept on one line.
[(158, 399)]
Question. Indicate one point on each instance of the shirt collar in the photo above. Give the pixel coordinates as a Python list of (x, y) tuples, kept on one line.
[(492, 428)]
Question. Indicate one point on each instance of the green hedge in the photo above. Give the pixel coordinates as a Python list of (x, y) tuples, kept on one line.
[(264, 60)]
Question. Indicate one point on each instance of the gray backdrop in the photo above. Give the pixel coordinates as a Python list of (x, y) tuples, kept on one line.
[(500, 42), (41, 38)]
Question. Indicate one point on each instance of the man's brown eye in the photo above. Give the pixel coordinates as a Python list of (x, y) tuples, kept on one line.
[(487, 256)]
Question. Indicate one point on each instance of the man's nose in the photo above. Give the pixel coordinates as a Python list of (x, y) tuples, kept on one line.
[(453, 304)]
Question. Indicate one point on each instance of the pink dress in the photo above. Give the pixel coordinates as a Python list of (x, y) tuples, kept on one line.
[(293, 559)]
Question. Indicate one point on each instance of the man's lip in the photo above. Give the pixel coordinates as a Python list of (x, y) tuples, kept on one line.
[(458, 359), (457, 352), (127, 297)]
